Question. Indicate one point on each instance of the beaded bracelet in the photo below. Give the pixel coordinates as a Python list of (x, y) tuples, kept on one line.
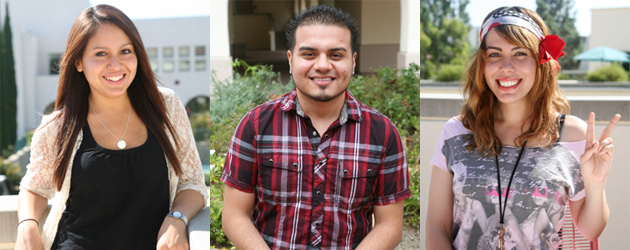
[(27, 220)]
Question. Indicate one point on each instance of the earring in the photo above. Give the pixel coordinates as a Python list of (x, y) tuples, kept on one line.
[(353, 72), (289, 71)]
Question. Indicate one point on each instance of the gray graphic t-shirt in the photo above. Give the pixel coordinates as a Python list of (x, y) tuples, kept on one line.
[(546, 178)]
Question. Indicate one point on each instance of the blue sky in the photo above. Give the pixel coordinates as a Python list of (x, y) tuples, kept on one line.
[(478, 9), (141, 9)]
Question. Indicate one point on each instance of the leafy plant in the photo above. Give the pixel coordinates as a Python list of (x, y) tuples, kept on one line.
[(13, 174), (612, 73), (216, 201), (450, 72)]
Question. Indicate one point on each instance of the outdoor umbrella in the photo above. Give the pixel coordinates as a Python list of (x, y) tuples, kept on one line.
[(603, 53)]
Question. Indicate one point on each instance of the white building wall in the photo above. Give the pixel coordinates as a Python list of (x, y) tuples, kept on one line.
[(609, 29), (40, 30)]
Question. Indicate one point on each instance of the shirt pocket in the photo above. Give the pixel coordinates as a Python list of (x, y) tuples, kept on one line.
[(355, 185), (281, 178)]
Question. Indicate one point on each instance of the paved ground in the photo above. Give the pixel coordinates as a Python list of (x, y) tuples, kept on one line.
[(411, 239)]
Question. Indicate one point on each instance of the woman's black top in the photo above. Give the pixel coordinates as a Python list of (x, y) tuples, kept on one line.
[(118, 198)]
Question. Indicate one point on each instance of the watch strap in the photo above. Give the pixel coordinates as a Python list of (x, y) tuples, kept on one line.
[(178, 215)]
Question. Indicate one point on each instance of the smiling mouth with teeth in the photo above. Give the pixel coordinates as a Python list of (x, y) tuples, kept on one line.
[(114, 78), (322, 79), (507, 84)]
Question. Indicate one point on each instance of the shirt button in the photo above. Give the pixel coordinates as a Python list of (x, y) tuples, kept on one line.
[(369, 171), (321, 162), (326, 135), (271, 161), (345, 171), (314, 133), (319, 193), (316, 224), (295, 164)]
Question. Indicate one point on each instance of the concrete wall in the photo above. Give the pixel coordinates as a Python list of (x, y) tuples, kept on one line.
[(380, 34), (606, 26), (439, 104)]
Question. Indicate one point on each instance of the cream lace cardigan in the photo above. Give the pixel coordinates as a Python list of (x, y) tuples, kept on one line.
[(38, 177)]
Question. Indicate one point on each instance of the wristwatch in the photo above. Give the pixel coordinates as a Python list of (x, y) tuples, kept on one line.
[(178, 215)]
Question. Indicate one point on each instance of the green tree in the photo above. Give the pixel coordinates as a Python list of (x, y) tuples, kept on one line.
[(445, 25), (8, 89), (560, 19)]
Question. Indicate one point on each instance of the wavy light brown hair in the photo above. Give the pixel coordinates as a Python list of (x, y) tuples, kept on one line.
[(545, 98), (73, 89)]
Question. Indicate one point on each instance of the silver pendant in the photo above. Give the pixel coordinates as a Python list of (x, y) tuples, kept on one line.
[(121, 144)]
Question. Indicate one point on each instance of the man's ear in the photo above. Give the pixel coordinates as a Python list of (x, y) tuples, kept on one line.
[(354, 61), (289, 58)]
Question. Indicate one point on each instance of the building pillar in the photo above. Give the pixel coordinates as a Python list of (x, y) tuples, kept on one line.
[(220, 58), (409, 33)]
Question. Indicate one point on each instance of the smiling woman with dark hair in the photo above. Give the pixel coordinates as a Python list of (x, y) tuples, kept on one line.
[(117, 155)]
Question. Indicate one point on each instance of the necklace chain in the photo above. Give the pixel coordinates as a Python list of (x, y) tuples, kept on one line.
[(110, 132), (507, 194)]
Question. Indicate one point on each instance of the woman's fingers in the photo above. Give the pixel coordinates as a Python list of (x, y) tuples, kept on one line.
[(609, 128)]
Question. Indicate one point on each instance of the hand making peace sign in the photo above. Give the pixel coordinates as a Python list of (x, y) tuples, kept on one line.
[(596, 160)]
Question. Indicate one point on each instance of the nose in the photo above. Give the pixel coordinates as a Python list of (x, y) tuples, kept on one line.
[(322, 64), (114, 63), (507, 65)]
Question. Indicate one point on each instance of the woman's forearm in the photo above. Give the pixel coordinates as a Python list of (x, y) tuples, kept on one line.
[(31, 208), (593, 215)]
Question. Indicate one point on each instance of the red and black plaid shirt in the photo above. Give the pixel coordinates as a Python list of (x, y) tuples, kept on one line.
[(315, 191)]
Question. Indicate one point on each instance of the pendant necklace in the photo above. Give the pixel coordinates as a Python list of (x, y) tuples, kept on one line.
[(121, 143), (507, 191)]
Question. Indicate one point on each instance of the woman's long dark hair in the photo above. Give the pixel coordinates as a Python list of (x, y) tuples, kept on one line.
[(73, 90)]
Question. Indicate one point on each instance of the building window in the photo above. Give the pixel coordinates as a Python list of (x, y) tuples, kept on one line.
[(154, 65), (152, 52), (200, 50), (184, 51), (167, 52), (54, 64), (168, 66), (184, 65), (200, 65)]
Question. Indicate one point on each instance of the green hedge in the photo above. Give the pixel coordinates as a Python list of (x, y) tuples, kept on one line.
[(611, 73)]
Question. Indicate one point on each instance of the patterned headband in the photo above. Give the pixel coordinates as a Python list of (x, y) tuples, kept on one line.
[(550, 46)]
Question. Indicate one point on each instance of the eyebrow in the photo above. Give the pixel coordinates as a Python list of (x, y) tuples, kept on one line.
[(122, 46), (499, 49), (330, 50)]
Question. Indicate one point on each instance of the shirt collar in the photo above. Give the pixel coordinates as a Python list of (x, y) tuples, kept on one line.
[(351, 108)]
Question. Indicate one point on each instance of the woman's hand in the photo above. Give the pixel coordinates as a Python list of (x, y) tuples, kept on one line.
[(596, 160), (172, 235), (28, 236)]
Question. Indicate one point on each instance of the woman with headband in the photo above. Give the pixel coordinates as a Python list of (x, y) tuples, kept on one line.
[(505, 168)]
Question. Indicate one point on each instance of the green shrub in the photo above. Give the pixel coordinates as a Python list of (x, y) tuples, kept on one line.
[(217, 237), (13, 174), (612, 73), (450, 72)]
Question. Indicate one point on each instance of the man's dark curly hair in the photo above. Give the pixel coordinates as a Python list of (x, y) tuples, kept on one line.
[(327, 15)]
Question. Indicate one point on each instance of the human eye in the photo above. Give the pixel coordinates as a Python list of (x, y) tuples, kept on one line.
[(100, 53), (126, 51), (493, 54), (337, 55), (308, 54), (521, 53)]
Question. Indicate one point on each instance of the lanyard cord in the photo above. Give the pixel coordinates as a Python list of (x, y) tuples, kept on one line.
[(496, 157)]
